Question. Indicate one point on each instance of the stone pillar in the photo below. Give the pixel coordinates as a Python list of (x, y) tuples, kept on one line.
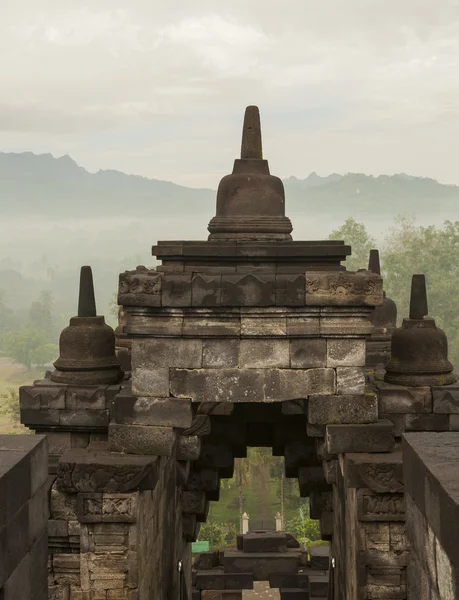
[(245, 523)]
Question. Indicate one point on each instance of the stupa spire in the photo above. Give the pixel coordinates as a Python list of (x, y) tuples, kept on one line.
[(373, 262), (418, 298), (86, 299), (251, 146), (250, 201)]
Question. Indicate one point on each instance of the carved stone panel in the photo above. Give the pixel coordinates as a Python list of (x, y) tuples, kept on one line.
[(380, 507), (107, 508)]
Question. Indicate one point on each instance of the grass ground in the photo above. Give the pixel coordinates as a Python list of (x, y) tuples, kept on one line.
[(13, 375)]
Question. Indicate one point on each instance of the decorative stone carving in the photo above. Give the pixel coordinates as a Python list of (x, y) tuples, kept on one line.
[(380, 507), (107, 508), (102, 471)]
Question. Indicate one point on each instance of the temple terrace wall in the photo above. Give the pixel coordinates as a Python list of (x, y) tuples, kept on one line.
[(23, 517), (431, 473)]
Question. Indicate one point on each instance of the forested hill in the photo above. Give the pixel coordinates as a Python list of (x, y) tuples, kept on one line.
[(48, 187)]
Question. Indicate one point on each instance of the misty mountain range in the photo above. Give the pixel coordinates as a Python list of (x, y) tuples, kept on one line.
[(48, 187)]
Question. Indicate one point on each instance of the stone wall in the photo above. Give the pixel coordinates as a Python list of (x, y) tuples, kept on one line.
[(431, 473), (23, 517), (124, 513)]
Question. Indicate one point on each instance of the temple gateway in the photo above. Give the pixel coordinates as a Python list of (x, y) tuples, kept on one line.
[(248, 338)]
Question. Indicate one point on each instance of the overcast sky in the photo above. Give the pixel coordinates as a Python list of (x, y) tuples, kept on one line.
[(158, 88)]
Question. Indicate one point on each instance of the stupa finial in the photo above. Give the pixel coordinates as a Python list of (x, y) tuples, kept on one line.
[(251, 146), (86, 300), (373, 263), (418, 299)]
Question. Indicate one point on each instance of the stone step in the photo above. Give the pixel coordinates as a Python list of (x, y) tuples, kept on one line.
[(320, 557), (293, 594), (293, 580), (261, 565), (217, 580), (318, 586)]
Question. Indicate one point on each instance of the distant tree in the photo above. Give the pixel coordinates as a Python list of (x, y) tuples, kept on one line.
[(434, 252), (8, 321), (9, 405), (21, 346), (303, 527), (41, 314), (218, 534), (356, 235), (44, 354)]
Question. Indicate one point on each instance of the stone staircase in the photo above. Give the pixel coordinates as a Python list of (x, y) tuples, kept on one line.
[(263, 556)]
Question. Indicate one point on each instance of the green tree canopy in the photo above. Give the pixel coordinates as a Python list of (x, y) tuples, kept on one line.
[(21, 346), (361, 242)]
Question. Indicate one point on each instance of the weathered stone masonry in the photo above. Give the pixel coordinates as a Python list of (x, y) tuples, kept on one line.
[(246, 339)]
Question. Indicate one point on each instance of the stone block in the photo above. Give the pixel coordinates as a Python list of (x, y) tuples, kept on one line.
[(352, 325), (188, 447), (183, 469), (164, 412), (264, 542), (261, 565), (320, 557), (300, 325), (263, 354), (99, 471), (382, 473), (308, 353), (140, 439), (176, 290), (238, 581), (29, 397), (214, 325), (34, 418), (263, 325), (84, 418), (343, 288), (166, 352), (350, 380), (150, 382), (454, 422), (398, 421), (446, 399), (311, 478), (290, 290), (323, 410), (374, 437), (218, 354), (380, 507), (141, 287), (206, 479), (86, 398), (315, 431), (345, 352), (401, 399), (23, 471), (38, 507), (193, 502), (330, 471), (252, 289), (220, 385), (298, 581), (427, 422), (206, 290), (292, 384)]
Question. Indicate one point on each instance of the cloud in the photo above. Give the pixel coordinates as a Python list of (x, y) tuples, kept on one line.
[(171, 79)]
